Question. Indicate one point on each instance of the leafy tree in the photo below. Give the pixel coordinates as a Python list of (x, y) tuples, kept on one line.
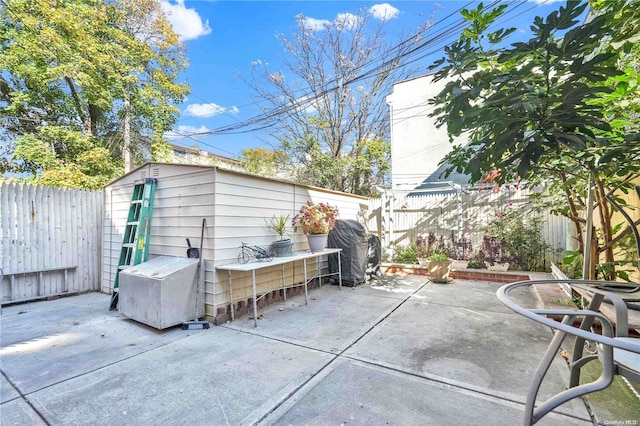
[(332, 119), (57, 156), (558, 108), (70, 66), (261, 161)]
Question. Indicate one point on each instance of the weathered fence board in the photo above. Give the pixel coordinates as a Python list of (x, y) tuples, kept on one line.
[(50, 241)]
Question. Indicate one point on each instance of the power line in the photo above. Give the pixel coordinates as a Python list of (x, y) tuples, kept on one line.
[(308, 99), (335, 81)]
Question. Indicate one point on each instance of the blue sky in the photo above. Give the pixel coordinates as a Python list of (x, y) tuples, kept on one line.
[(223, 38)]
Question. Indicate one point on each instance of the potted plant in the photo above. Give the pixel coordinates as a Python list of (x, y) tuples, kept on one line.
[(439, 266), (316, 220), (284, 246)]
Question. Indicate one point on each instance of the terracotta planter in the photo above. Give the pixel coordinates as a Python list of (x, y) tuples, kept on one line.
[(439, 271), (317, 242)]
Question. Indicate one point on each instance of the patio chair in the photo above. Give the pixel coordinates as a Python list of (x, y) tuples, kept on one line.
[(618, 353)]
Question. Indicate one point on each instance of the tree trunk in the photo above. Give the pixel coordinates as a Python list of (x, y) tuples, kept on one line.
[(126, 134), (605, 228)]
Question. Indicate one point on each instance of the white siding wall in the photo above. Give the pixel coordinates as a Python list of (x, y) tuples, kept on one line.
[(243, 204), (235, 206), (184, 196)]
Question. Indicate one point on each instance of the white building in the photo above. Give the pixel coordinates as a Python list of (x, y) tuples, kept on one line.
[(194, 155), (417, 145)]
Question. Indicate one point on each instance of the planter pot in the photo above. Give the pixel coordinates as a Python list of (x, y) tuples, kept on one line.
[(317, 242), (282, 248), (439, 271), (501, 267)]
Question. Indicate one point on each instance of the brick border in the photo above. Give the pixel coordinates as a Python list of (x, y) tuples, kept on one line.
[(461, 274)]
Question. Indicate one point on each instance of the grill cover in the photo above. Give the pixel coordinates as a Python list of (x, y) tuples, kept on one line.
[(350, 236)]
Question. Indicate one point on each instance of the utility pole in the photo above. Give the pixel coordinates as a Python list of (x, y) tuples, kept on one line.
[(126, 144)]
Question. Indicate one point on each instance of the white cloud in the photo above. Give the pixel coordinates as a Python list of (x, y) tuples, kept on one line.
[(383, 12), (315, 24), (347, 20), (185, 131), (186, 22), (208, 110)]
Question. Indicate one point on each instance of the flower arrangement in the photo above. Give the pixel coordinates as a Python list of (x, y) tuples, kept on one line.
[(315, 218)]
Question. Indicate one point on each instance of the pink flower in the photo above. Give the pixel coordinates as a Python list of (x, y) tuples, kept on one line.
[(316, 218)]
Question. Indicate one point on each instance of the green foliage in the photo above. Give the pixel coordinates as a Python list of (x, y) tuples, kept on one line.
[(525, 103), (407, 255), (572, 264), (438, 257), (35, 153), (279, 225), (68, 67), (560, 108), (626, 259), (58, 156), (475, 264), (357, 172), (452, 247), (161, 151), (262, 161), (517, 238)]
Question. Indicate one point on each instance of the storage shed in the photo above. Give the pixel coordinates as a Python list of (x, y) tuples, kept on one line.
[(236, 207)]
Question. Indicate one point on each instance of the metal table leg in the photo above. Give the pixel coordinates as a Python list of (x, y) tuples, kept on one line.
[(304, 263), (231, 296), (339, 272), (255, 297), (284, 285)]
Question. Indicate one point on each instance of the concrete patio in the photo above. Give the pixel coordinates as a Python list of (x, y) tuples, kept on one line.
[(400, 351)]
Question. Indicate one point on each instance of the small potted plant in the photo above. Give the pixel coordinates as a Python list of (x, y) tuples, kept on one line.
[(439, 266), (316, 220), (284, 246)]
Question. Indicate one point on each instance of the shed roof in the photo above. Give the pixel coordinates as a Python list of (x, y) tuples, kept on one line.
[(191, 167)]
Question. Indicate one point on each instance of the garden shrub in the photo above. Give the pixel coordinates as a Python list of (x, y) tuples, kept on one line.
[(453, 247), (515, 237), (408, 254)]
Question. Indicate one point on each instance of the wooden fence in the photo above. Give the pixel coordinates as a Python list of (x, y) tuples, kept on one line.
[(50, 241), (399, 218)]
